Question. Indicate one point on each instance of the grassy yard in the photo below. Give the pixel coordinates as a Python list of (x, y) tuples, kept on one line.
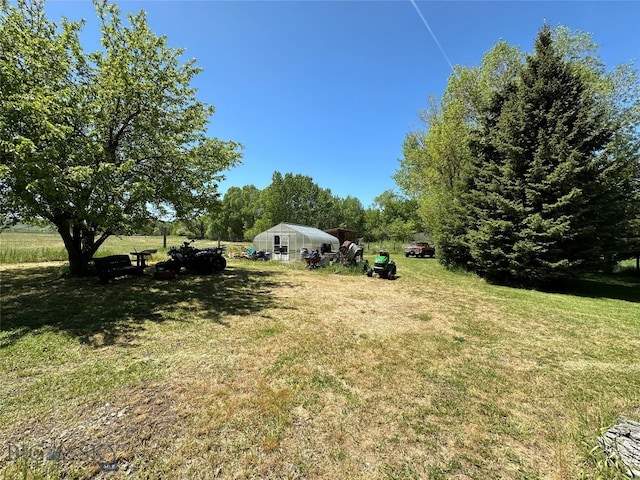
[(275, 371)]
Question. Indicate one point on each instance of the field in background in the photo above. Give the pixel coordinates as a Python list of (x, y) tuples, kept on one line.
[(41, 246), (270, 370), (30, 247)]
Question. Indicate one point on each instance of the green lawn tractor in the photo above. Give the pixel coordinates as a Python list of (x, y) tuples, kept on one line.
[(383, 266)]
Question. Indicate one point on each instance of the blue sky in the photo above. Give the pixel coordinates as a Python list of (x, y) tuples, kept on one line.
[(329, 89)]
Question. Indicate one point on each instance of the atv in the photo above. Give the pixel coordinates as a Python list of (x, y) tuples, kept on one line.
[(383, 266), (201, 261)]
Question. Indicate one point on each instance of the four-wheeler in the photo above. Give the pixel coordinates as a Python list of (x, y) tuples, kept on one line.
[(419, 249), (383, 266), (202, 261)]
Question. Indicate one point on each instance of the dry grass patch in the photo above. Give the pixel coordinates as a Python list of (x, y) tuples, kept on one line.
[(272, 371)]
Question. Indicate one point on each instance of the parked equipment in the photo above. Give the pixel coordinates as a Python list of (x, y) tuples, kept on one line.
[(201, 261), (383, 266), (252, 254), (350, 253)]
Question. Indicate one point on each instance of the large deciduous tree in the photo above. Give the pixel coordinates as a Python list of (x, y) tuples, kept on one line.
[(97, 143), (392, 216), (348, 213), (239, 210), (436, 159), (295, 198)]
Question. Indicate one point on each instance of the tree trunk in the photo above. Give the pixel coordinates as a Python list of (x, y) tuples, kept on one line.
[(80, 245), (621, 443)]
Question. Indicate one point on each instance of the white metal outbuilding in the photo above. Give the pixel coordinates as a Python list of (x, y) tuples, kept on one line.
[(289, 242)]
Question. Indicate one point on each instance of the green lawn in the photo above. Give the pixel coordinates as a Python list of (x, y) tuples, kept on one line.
[(274, 371)]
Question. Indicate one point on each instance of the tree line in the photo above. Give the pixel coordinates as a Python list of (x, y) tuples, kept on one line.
[(243, 212), (527, 170)]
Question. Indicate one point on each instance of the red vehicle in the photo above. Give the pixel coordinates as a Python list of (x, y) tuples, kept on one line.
[(419, 249)]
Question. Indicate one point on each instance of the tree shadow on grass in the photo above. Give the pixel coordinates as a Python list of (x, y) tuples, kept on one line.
[(618, 286), (38, 297)]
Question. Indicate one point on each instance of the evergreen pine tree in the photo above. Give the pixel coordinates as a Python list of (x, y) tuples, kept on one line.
[(536, 197)]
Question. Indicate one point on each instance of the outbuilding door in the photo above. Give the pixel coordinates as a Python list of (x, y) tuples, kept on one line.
[(281, 247)]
